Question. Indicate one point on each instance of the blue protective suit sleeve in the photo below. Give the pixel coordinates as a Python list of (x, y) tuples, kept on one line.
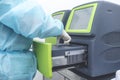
[(30, 20)]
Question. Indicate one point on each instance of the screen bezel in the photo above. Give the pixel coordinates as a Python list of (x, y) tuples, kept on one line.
[(53, 40), (88, 30), (59, 13)]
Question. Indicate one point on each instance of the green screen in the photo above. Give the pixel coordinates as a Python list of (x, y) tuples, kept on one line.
[(59, 16), (81, 19)]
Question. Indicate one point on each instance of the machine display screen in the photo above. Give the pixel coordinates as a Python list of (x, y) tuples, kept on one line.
[(58, 16), (81, 18)]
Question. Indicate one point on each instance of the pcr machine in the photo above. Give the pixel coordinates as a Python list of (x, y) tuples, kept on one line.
[(63, 16), (95, 31)]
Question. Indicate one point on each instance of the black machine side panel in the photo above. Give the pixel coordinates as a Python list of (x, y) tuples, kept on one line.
[(104, 46), (67, 55)]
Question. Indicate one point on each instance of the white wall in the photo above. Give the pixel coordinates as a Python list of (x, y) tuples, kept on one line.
[(51, 6), (55, 5)]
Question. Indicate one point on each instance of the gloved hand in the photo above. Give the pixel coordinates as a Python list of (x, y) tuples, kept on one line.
[(65, 36)]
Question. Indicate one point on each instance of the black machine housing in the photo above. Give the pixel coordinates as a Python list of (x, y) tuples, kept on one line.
[(103, 42), (64, 13)]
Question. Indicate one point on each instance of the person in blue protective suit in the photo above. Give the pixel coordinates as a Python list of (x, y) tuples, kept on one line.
[(20, 22)]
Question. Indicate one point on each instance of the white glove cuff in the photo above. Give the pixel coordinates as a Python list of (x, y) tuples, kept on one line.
[(66, 37)]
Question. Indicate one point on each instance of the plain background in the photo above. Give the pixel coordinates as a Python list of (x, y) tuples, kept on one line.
[(51, 6), (55, 5)]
